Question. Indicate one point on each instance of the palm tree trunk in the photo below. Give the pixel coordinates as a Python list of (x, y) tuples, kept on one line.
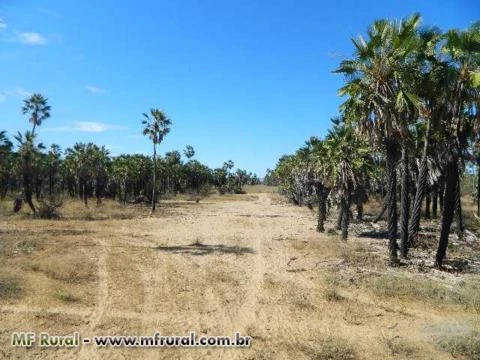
[(338, 224), (27, 184), (428, 202), (154, 198), (85, 193), (478, 187), (384, 208), (435, 202), (404, 216), (322, 208), (447, 210), (392, 202), (441, 195), (460, 227), (414, 225), (345, 217), (359, 211)]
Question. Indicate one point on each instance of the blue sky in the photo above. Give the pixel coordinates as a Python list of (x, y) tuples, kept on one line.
[(241, 80)]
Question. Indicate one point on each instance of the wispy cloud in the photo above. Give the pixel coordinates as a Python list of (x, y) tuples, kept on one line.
[(3, 98), (94, 89), (22, 92), (335, 54), (3, 24), (88, 126), (31, 38), (91, 126)]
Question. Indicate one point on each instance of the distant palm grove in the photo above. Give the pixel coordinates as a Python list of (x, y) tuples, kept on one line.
[(407, 131), (30, 171)]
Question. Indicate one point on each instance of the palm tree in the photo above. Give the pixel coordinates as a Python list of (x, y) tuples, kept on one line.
[(53, 166), (157, 126), (38, 109), (380, 102), (462, 51), (189, 152), (349, 167), (430, 88), (6, 159), (28, 155)]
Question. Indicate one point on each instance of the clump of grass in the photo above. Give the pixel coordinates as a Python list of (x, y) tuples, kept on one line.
[(353, 315), (359, 255), (65, 296), (332, 279), (32, 267), (49, 209), (302, 301), (197, 242), (69, 270), (413, 289), (331, 348), (121, 215), (26, 246), (398, 346), (88, 216), (333, 295), (9, 287), (428, 291), (466, 346), (470, 295)]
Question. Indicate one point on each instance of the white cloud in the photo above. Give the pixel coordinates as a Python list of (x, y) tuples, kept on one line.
[(3, 24), (31, 38), (335, 54), (94, 89), (22, 92), (88, 126)]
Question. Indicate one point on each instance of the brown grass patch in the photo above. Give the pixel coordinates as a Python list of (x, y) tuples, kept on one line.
[(9, 287), (331, 348)]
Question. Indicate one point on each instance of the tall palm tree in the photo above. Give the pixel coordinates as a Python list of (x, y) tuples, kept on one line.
[(462, 49), (157, 126), (6, 159), (38, 109), (28, 155), (380, 102), (430, 87), (349, 166)]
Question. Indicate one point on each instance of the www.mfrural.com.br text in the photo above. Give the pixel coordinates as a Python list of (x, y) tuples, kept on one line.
[(46, 340)]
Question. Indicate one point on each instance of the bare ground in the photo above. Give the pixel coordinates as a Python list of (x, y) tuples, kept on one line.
[(247, 263)]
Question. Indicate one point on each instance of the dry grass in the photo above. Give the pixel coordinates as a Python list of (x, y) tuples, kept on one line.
[(255, 189), (65, 296), (427, 291), (248, 263), (332, 294), (467, 346), (9, 287), (68, 269), (399, 347), (331, 348)]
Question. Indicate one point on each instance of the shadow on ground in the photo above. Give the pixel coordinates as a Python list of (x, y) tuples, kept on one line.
[(374, 234), (201, 249)]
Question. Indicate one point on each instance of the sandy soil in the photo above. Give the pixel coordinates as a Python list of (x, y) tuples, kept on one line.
[(246, 263)]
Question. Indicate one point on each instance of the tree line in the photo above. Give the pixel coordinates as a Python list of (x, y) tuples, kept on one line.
[(407, 129), (31, 171)]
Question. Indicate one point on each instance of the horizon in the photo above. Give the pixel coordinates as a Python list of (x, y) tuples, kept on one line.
[(241, 81)]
